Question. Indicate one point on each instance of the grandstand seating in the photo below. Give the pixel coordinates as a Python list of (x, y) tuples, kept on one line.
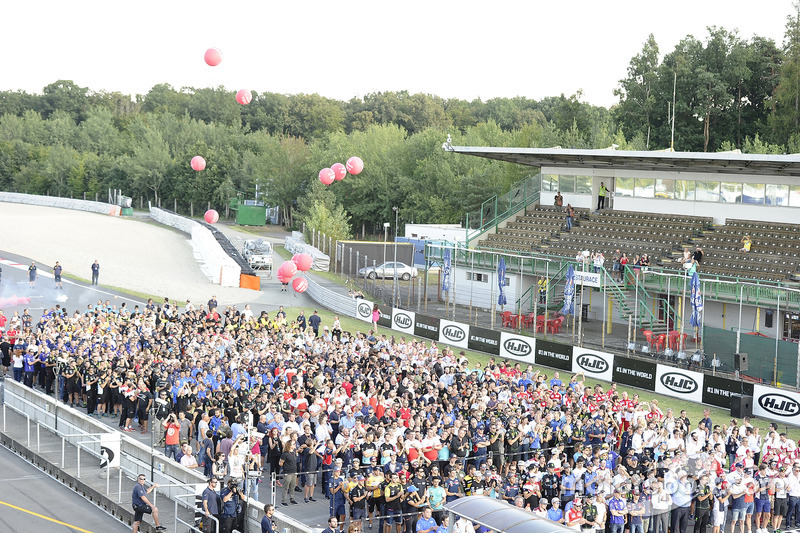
[(775, 254)]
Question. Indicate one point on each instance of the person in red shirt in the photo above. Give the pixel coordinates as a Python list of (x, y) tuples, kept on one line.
[(574, 518), (171, 436)]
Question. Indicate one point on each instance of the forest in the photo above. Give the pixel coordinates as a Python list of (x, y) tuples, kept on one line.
[(728, 93)]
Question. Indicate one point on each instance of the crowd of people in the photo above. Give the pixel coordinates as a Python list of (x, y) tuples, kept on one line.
[(389, 429)]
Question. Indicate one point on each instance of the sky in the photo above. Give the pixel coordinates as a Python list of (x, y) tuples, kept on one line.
[(349, 48)]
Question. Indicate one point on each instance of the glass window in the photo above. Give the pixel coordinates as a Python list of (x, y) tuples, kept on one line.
[(753, 193), (731, 193), (566, 183), (794, 196), (583, 184), (645, 188), (549, 182), (624, 187), (707, 191), (665, 188), (684, 190), (778, 195)]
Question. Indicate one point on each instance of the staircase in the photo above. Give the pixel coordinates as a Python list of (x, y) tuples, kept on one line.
[(625, 299)]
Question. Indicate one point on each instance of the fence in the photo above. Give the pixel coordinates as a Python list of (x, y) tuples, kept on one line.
[(771, 360), (498, 208)]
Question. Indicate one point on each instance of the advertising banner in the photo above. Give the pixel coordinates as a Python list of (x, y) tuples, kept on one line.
[(110, 450), (627, 371), (679, 383), (783, 406), (364, 310), (386, 315), (484, 340), (717, 391), (403, 321), (589, 279), (454, 333), (517, 347), (426, 327), (593, 364), (554, 355)]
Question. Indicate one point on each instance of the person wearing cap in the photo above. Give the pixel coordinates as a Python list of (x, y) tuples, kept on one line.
[(781, 493), (618, 509), (394, 495), (550, 483), (636, 512), (574, 518), (738, 505), (702, 505), (554, 513), (357, 497), (338, 497), (763, 486)]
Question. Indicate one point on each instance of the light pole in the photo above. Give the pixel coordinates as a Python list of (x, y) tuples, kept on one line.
[(395, 289), (386, 226)]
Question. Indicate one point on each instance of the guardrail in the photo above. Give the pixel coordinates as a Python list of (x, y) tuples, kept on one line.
[(62, 203)]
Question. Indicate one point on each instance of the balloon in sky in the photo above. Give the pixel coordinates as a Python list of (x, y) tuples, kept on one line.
[(339, 170), (288, 269), (211, 216), (213, 57), (198, 163), (355, 165), (327, 176), (300, 284), (244, 96), (303, 261)]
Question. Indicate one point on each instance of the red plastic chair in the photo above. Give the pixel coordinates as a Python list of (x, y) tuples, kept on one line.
[(648, 336), (529, 320), (540, 324), (660, 342), (556, 324), (506, 318)]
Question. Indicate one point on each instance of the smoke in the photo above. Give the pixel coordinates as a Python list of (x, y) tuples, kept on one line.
[(14, 301)]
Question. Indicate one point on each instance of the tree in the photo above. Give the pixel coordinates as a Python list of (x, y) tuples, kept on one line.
[(637, 99), (65, 96), (785, 118)]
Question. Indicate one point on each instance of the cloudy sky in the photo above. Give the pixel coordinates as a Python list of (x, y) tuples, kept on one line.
[(348, 48)]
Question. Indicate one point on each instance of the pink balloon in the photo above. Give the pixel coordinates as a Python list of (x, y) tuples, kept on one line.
[(355, 165), (283, 279), (198, 163), (244, 96), (211, 216), (327, 176), (300, 284), (303, 261), (288, 269), (339, 170), (213, 57)]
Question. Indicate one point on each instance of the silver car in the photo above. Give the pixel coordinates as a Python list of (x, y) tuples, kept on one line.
[(387, 270)]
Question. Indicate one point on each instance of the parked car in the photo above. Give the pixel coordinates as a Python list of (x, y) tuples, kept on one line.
[(387, 270)]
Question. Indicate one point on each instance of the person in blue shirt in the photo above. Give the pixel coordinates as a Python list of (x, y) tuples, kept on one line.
[(554, 513), (617, 509), (556, 381), (681, 491), (426, 523), (445, 524), (567, 485)]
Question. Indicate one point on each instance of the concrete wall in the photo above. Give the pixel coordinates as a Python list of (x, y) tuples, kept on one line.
[(218, 266), (63, 203)]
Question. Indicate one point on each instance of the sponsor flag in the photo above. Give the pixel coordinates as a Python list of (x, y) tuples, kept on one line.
[(569, 292), (446, 271), (501, 281), (697, 301)]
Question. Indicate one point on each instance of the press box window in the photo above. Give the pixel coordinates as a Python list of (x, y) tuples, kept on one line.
[(477, 276)]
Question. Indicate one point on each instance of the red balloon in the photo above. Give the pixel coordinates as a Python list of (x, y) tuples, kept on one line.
[(339, 170), (288, 269), (355, 165), (300, 284), (244, 96), (211, 216), (283, 279), (303, 261), (327, 176), (213, 57), (198, 163)]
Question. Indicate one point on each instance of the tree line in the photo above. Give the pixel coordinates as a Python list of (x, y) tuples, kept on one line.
[(69, 140)]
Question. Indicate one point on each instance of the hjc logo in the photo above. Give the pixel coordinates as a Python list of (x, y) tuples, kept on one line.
[(402, 320), (778, 404), (592, 363), (517, 347), (679, 383), (364, 310), (454, 333)]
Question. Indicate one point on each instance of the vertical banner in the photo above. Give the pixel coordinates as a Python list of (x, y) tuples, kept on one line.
[(427, 327), (110, 450), (554, 355), (717, 391), (403, 321), (453, 333), (517, 347), (775, 404), (634, 372), (364, 310), (593, 364), (484, 340), (679, 383)]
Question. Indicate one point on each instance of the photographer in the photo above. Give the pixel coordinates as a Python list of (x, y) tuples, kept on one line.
[(231, 497), (172, 436)]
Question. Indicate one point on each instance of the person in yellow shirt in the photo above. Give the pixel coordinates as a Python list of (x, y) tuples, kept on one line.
[(746, 244)]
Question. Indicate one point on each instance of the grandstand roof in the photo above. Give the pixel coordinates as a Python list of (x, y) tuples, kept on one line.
[(720, 162)]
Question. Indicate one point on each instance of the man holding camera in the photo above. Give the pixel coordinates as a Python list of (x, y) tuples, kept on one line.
[(231, 496), (172, 436)]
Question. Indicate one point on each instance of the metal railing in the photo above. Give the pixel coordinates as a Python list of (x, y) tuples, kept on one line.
[(498, 208)]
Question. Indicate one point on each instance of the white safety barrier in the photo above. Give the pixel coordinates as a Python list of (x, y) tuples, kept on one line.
[(63, 203), (293, 245), (218, 266)]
